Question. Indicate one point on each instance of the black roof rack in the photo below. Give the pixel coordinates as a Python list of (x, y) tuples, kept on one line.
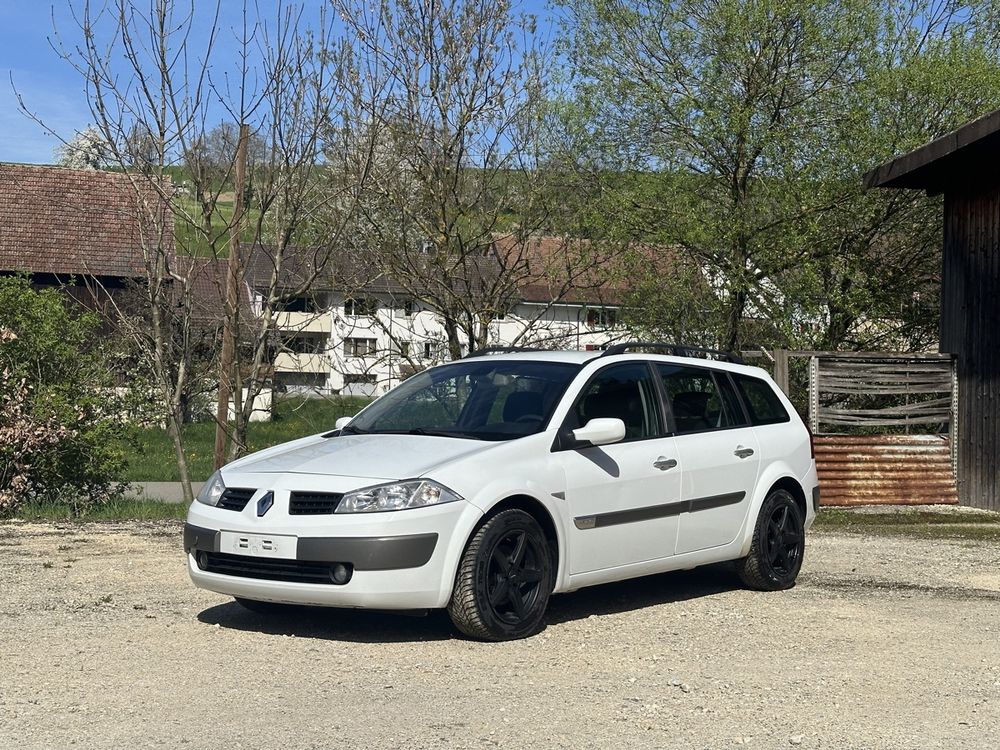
[(503, 350), (677, 350)]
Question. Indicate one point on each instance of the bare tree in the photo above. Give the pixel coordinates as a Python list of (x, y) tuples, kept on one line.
[(452, 94), (156, 97)]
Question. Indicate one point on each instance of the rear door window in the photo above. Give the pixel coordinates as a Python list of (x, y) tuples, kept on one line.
[(697, 401)]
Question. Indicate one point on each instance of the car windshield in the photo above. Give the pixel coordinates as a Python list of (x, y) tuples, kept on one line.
[(479, 399)]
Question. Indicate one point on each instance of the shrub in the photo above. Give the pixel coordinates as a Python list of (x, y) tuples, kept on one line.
[(58, 409)]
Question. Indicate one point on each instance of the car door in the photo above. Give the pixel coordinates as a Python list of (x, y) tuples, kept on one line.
[(719, 452), (623, 498)]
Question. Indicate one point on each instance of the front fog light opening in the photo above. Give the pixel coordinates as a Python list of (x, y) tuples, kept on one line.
[(340, 573), (201, 558)]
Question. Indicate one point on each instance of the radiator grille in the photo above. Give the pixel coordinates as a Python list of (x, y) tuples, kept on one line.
[(313, 503)]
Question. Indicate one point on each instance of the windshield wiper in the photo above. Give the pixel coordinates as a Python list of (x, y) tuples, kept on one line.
[(349, 430), (431, 431)]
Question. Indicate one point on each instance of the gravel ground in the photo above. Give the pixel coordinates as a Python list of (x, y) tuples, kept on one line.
[(884, 643)]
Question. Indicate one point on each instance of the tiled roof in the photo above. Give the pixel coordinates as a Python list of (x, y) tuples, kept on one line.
[(72, 222), (546, 269), (568, 270)]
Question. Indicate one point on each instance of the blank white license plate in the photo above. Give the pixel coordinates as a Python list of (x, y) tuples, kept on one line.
[(259, 545)]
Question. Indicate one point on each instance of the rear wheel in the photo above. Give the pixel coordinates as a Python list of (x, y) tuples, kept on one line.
[(504, 579), (778, 545)]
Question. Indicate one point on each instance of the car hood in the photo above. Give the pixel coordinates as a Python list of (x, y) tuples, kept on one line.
[(365, 456)]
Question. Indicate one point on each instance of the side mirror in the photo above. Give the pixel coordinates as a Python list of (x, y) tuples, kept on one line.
[(600, 431), (342, 423)]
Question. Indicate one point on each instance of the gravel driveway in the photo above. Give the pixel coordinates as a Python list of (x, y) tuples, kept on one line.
[(885, 642)]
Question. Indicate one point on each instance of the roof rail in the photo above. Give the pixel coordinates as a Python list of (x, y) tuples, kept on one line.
[(677, 350), (502, 350)]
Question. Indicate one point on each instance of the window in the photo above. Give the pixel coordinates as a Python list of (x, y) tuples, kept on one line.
[(360, 307), (696, 400), (298, 304), (624, 392), (762, 402), (306, 344), (402, 348), (359, 347), (602, 317)]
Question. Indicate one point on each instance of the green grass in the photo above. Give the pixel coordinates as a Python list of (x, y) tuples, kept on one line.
[(125, 509), (150, 453), (922, 524)]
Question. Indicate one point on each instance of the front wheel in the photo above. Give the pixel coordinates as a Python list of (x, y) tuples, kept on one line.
[(778, 545), (504, 579)]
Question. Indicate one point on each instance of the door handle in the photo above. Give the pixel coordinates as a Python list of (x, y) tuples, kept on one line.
[(743, 452), (663, 463)]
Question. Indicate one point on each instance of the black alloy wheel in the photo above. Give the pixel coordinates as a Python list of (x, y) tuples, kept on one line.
[(778, 545), (784, 542), (504, 579), (513, 576)]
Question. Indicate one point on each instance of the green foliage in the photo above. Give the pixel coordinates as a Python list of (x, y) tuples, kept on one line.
[(912, 522), (758, 119), (117, 509), (59, 408), (150, 452)]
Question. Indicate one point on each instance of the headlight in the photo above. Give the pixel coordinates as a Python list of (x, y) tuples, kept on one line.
[(212, 490), (416, 493)]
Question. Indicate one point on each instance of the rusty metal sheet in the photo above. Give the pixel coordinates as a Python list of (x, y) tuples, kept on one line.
[(885, 470)]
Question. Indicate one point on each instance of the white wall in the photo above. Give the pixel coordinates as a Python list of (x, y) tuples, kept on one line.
[(560, 326)]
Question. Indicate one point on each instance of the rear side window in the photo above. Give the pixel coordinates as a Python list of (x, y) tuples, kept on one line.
[(697, 401), (761, 401)]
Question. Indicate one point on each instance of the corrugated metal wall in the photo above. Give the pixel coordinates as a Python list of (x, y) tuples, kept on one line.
[(884, 469), (970, 328)]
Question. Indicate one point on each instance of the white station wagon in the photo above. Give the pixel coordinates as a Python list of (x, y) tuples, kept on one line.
[(488, 484)]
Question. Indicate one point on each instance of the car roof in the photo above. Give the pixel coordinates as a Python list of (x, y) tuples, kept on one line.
[(582, 358)]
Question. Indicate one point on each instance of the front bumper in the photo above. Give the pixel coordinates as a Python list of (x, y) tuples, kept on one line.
[(399, 560)]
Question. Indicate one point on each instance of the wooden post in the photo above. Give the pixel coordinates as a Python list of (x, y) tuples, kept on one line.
[(229, 328), (781, 370)]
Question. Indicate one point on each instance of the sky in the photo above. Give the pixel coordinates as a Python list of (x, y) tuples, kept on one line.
[(51, 89)]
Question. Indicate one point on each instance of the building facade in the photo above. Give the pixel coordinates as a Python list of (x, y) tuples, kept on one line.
[(365, 344)]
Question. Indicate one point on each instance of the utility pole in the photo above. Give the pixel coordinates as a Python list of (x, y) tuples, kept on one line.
[(230, 329)]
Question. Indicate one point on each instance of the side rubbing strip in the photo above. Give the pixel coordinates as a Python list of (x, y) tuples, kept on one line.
[(657, 511), (716, 501)]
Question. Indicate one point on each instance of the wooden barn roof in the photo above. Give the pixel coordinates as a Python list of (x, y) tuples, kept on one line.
[(966, 157), (71, 222)]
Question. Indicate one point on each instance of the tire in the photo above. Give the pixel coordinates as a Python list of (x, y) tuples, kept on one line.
[(778, 545), (263, 608), (504, 579)]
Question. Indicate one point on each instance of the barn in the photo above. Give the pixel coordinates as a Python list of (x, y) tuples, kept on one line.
[(962, 166)]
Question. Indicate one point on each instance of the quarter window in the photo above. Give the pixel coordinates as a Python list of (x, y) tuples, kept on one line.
[(762, 402), (624, 392), (696, 400)]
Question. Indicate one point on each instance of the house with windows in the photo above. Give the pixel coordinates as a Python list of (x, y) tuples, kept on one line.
[(364, 338)]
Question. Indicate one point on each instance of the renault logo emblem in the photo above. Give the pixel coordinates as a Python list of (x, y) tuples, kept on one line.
[(265, 503)]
